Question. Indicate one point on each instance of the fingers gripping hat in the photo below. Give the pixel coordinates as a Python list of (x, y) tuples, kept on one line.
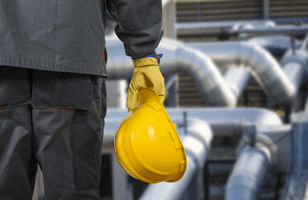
[(147, 145)]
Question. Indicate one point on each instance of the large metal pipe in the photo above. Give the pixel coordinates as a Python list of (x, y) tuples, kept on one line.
[(221, 120), (247, 175), (276, 44), (231, 23), (286, 29), (264, 67), (197, 146), (214, 25), (276, 138), (237, 79), (295, 72), (271, 149), (177, 57)]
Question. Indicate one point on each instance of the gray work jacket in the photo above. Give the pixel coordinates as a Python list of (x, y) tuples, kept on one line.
[(68, 35)]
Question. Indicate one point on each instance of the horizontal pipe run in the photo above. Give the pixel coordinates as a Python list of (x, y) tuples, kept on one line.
[(277, 43), (217, 115), (220, 119), (214, 25), (289, 29)]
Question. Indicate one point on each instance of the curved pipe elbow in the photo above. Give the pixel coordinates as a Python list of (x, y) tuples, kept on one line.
[(269, 74), (264, 67), (209, 81)]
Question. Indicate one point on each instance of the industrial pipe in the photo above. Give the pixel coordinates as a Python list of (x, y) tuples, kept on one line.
[(215, 25), (274, 137), (177, 57), (229, 120), (197, 147), (285, 29), (247, 175), (237, 79), (271, 149), (196, 144), (276, 44), (264, 67)]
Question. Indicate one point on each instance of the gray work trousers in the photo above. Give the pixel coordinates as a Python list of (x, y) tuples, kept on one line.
[(56, 120)]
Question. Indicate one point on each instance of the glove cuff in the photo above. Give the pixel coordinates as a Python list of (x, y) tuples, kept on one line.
[(148, 60), (158, 57)]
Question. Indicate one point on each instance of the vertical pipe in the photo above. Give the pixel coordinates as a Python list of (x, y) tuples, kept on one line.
[(266, 9)]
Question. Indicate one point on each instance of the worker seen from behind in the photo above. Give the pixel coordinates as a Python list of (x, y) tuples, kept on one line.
[(53, 90)]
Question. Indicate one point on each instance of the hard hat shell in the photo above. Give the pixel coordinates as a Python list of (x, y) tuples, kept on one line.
[(147, 145)]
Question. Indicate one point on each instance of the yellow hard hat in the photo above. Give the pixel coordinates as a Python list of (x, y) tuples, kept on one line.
[(147, 145)]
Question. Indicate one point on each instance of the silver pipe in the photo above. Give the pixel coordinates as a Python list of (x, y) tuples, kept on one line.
[(275, 43), (214, 25), (210, 115), (295, 72), (266, 9), (237, 79), (221, 120), (177, 57), (272, 149), (197, 146), (277, 139), (197, 141), (228, 128), (247, 175), (264, 67), (286, 29)]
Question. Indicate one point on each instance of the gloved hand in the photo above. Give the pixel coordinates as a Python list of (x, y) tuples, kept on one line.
[(146, 74)]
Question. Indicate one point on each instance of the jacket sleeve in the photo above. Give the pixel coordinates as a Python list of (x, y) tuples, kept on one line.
[(138, 25)]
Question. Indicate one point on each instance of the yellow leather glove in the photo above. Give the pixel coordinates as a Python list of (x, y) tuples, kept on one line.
[(146, 74)]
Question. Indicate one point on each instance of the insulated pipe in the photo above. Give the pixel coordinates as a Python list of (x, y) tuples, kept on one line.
[(272, 149), (197, 146), (295, 72), (177, 57), (237, 79), (210, 115), (215, 25), (295, 63), (232, 120), (277, 139), (193, 140), (264, 67), (286, 29), (247, 175), (277, 43)]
